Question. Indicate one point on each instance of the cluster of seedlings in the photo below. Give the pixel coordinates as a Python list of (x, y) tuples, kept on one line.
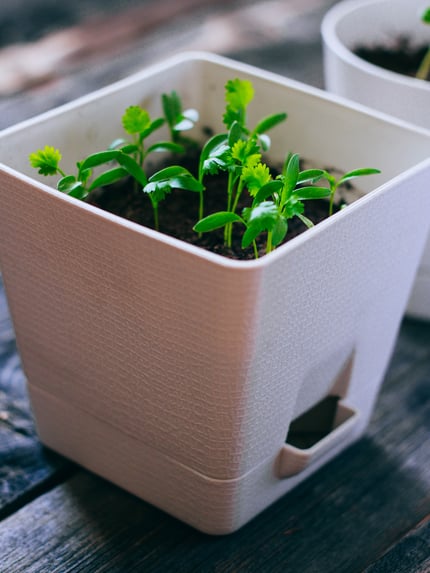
[(272, 198)]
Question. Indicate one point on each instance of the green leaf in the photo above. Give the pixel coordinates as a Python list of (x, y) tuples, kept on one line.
[(186, 120), (153, 126), (263, 216), (279, 231), (235, 133), (357, 173), (108, 177), (133, 168), (135, 119), (46, 160), (216, 221), (68, 183), (172, 107), (264, 141), (129, 148), (215, 154), (292, 172), (269, 122), (310, 175), (166, 146), (249, 236), (238, 94), (99, 158), (255, 177), (426, 16), (118, 142), (173, 177), (267, 191), (311, 192)]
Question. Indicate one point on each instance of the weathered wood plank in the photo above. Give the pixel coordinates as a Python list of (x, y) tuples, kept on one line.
[(342, 519), (412, 553)]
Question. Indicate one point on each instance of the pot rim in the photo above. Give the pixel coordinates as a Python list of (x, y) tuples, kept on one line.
[(329, 31)]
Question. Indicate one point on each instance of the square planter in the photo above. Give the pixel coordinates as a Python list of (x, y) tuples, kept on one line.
[(177, 373), (354, 23)]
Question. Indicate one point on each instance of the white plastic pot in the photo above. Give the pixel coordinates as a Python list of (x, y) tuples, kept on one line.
[(177, 373), (353, 23)]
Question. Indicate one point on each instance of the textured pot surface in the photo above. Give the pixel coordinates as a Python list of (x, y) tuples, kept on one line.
[(186, 369), (354, 23)]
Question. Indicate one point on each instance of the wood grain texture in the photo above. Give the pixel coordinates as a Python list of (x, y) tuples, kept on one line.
[(343, 519)]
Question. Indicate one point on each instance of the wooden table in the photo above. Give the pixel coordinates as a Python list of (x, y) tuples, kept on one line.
[(367, 510)]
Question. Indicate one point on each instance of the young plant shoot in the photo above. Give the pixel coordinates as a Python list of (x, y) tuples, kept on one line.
[(423, 72), (271, 201)]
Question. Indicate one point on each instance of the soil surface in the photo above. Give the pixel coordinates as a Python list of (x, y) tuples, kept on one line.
[(178, 213), (401, 57)]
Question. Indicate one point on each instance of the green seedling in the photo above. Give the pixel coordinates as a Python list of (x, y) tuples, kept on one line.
[(423, 72), (271, 201), (334, 183), (157, 186), (138, 124), (177, 118), (239, 150), (275, 201)]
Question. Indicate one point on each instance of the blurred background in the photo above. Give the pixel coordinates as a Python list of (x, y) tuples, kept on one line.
[(52, 51)]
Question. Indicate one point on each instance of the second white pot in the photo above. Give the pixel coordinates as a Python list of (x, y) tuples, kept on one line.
[(354, 23)]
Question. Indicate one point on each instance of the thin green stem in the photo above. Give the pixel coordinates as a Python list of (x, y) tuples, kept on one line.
[(424, 68), (269, 246), (254, 245)]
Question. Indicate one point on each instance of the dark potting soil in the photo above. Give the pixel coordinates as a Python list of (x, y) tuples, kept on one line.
[(178, 213), (401, 57)]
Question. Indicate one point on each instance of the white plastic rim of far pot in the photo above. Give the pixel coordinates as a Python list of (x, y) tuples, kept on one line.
[(353, 23)]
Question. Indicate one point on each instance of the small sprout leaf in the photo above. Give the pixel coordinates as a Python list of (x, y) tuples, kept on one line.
[(279, 231), (311, 192), (267, 191), (46, 160), (108, 177), (166, 146), (358, 173), (132, 167), (269, 122), (264, 141), (135, 119), (99, 159), (426, 16), (310, 175), (216, 221)]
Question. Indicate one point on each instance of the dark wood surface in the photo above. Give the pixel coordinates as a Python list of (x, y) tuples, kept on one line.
[(368, 510)]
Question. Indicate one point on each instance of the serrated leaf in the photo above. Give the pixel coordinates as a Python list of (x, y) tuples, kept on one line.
[(216, 221), (135, 119), (238, 94), (255, 177), (46, 160)]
